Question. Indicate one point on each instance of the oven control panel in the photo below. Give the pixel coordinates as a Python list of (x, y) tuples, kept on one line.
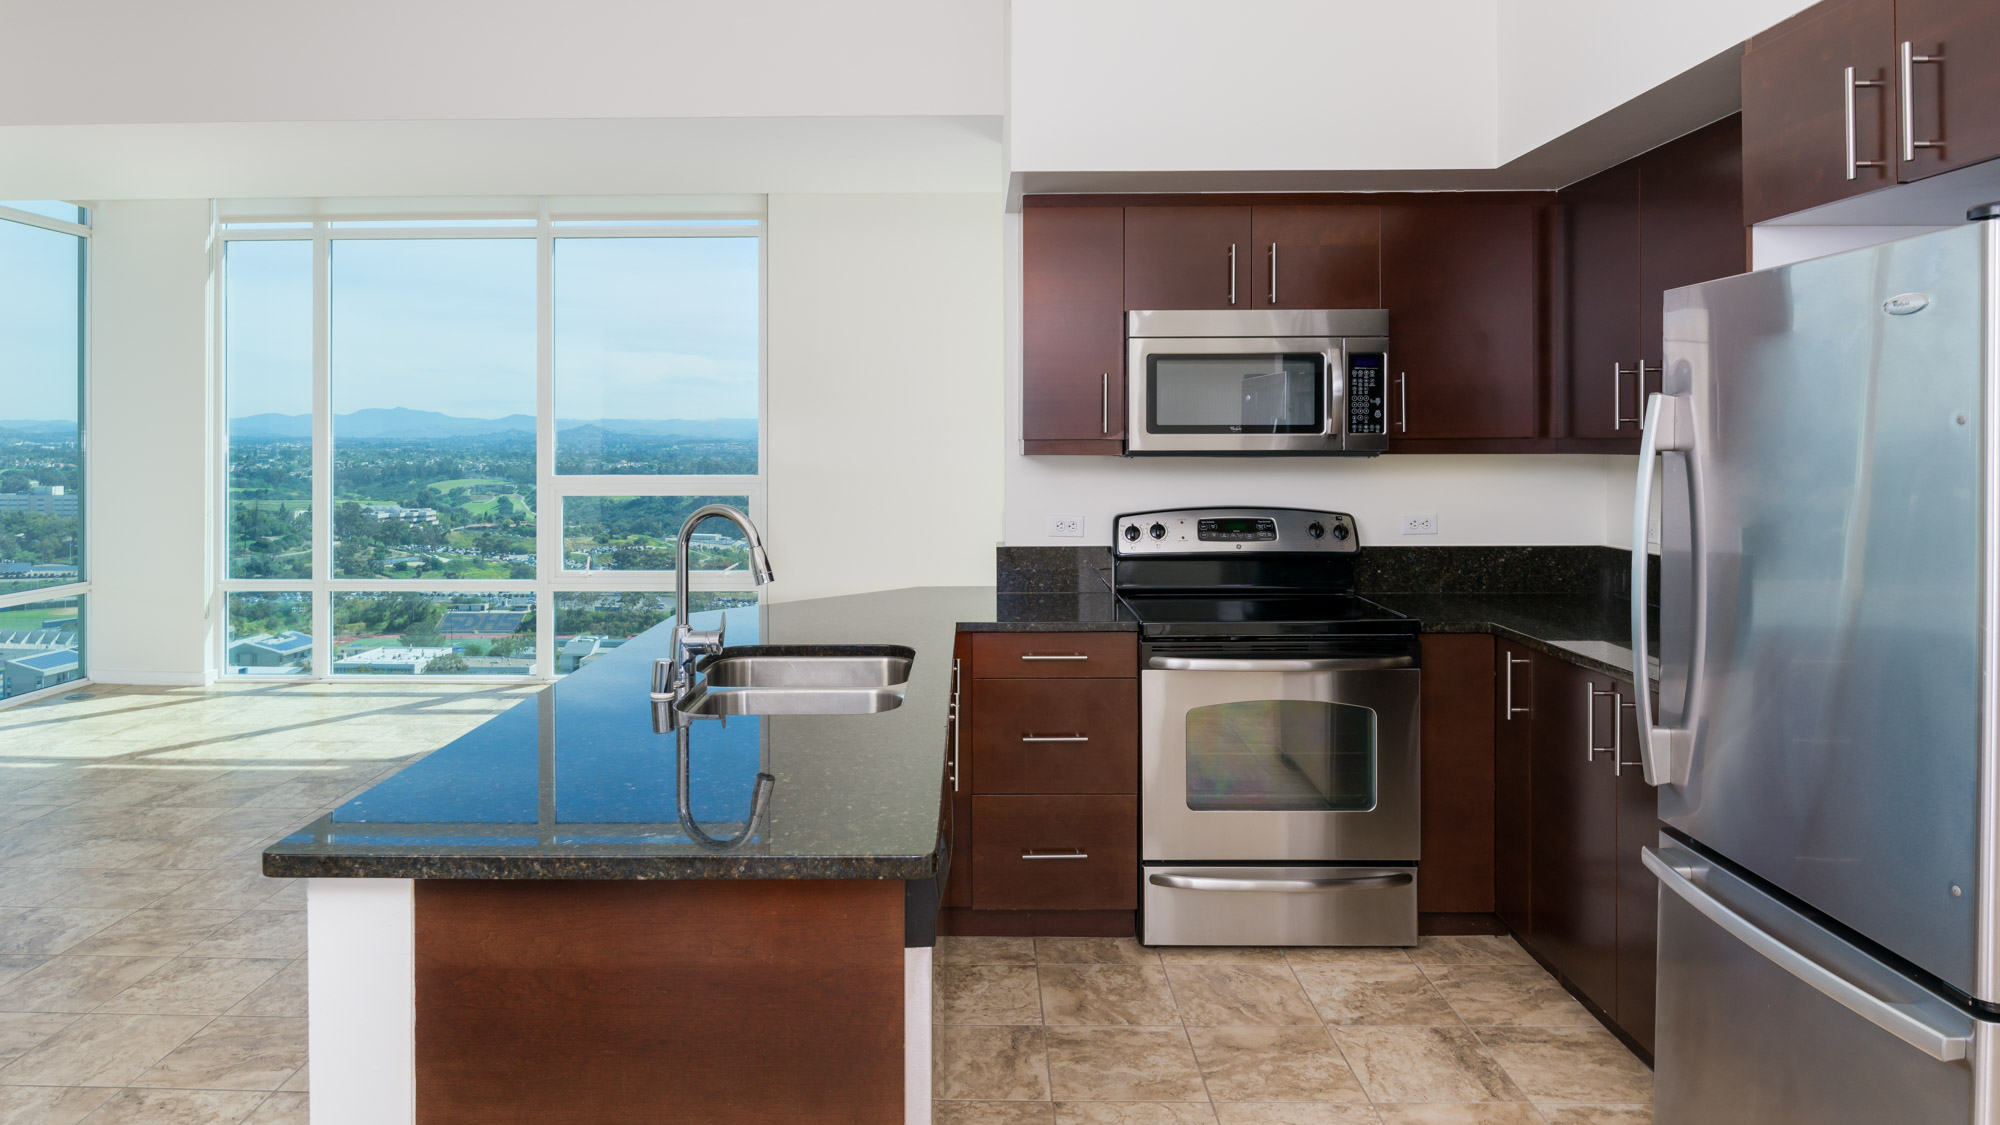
[(1198, 531)]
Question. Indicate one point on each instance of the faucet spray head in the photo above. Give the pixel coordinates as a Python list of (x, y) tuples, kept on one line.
[(760, 564)]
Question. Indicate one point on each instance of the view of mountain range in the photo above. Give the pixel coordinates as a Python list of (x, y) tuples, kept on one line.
[(405, 424)]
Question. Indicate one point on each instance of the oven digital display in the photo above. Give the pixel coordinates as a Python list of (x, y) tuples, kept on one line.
[(1223, 530)]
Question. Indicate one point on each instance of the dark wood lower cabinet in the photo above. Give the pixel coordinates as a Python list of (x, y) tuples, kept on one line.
[(1457, 738), (1575, 829), (1513, 786), (1638, 891), (1056, 736), (1055, 852)]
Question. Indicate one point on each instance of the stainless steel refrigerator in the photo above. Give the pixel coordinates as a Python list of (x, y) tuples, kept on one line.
[(1826, 751)]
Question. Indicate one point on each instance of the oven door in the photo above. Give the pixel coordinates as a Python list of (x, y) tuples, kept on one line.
[(1235, 395), (1267, 760)]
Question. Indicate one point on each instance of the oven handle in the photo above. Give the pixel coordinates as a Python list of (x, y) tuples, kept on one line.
[(1326, 664), (1280, 886)]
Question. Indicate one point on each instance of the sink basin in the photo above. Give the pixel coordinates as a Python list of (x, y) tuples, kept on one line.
[(776, 666), (706, 701)]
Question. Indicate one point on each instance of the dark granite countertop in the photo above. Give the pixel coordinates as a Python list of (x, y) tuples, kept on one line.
[(1591, 630), (574, 783)]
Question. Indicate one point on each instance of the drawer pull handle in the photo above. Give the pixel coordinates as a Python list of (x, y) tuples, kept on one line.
[(1282, 886), (1055, 738), (1054, 656), (1037, 853)]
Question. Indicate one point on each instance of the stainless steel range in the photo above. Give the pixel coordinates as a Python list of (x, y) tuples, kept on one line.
[(1278, 732)]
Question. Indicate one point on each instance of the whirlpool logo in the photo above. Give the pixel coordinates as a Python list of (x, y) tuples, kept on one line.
[(1903, 304)]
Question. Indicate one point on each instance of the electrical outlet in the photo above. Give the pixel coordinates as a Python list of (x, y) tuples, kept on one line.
[(1420, 523), (1066, 525)]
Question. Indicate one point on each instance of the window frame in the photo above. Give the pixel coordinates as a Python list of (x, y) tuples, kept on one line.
[(80, 589), (323, 228)]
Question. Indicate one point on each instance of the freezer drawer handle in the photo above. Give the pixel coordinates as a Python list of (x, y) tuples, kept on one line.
[(1327, 664), (1281, 886), (1675, 868)]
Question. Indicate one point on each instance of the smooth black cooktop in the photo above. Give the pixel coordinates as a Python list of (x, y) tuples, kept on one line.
[(1225, 615)]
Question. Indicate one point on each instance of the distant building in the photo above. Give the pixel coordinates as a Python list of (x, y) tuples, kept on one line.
[(389, 661), (37, 570), (289, 651), (398, 512), (42, 499), (584, 648), (481, 622), (20, 675), (519, 664)]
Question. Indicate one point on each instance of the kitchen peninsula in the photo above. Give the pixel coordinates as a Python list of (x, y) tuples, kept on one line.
[(518, 928)]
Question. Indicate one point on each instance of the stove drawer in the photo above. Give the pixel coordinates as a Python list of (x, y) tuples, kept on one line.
[(1055, 736), (1055, 853), (1054, 655)]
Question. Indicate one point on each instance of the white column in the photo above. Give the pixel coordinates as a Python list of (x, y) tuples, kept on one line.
[(916, 1037), (361, 992)]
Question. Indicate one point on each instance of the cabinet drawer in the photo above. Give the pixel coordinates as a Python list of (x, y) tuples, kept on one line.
[(1103, 831), (1055, 736), (1054, 655)]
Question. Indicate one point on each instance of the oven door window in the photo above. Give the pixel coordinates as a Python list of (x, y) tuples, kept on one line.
[(1236, 394), (1281, 755)]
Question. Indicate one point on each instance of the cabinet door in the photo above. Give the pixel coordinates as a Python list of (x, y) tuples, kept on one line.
[(1320, 257), (1690, 225), (1456, 752), (958, 778), (1638, 891), (1601, 290), (1575, 828), (1073, 329), (1057, 736), (1188, 258), (1794, 110), (1459, 281), (1954, 101), (1055, 852), (1513, 788)]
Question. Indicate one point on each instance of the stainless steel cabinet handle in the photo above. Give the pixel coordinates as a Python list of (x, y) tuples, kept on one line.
[(1590, 697), (1848, 87), (1104, 403), (1678, 871), (1054, 656), (1403, 394), (1036, 853), (1908, 61), (954, 723), (1055, 738), (1282, 886), (1274, 273), (1512, 710), (1618, 762), (1618, 374), (1232, 273), (1316, 664)]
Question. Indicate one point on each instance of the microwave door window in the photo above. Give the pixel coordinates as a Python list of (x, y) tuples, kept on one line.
[(1270, 394), (1281, 755)]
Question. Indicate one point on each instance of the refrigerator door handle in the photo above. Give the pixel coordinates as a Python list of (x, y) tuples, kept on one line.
[(1669, 428), (1677, 871)]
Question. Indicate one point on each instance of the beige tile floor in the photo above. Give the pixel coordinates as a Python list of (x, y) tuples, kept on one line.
[(149, 973), (1096, 1031)]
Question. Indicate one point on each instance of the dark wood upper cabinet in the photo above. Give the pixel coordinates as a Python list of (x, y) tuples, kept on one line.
[(1795, 139), (1575, 828), (1955, 99), (1073, 330), (1638, 892), (1316, 257), (1601, 291), (1690, 224), (1513, 787), (1188, 258), (1460, 282)]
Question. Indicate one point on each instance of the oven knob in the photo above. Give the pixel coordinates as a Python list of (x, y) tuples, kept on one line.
[(1131, 531), (1340, 531), (1315, 530), (1157, 531)]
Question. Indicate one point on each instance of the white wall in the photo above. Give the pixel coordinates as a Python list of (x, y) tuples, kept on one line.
[(1782, 245), (1163, 85), (150, 434), (1564, 62), (139, 61), (885, 391)]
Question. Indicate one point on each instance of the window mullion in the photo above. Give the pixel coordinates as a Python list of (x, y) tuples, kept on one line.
[(548, 506), (322, 453)]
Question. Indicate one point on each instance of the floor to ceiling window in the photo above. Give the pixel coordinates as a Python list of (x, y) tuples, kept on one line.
[(463, 447), (44, 252)]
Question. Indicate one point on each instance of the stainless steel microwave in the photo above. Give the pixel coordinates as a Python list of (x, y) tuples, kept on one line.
[(1265, 381)]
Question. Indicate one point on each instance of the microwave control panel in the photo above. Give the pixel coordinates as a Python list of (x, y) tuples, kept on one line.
[(1367, 393)]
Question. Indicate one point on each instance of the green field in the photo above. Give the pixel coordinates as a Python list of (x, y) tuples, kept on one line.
[(515, 503), (28, 617), (467, 483)]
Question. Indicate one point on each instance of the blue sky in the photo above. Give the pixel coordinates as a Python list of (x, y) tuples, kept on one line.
[(38, 310), (645, 327)]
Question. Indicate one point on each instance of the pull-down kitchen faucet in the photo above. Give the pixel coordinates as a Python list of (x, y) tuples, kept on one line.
[(690, 643)]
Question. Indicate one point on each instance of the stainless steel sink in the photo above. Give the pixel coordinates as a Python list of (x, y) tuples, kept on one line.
[(870, 666), (711, 702)]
